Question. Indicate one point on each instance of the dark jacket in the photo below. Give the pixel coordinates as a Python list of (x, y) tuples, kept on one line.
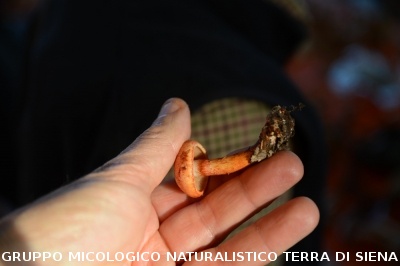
[(98, 72)]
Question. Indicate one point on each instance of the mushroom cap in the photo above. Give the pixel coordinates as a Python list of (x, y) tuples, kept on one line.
[(187, 175)]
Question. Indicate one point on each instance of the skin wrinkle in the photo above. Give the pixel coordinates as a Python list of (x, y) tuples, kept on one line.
[(160, 120), (223, 233), (137, 163), (277, 220), (280, 219), (244, 188), (208, 222), (163, 253), (156, 232), (288, 176), (123, 161), (195, 239), (156, 137), (221, 249), (258, 229), (127, 173), (173, 146), (165, 241), (161, 196)]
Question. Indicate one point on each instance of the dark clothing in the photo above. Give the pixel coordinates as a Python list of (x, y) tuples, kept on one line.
[(99, 71)]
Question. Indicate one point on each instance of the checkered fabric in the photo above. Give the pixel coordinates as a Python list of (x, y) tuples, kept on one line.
[(228, 124)]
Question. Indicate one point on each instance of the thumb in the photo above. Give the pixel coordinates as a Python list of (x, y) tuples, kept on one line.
[(148, 159)]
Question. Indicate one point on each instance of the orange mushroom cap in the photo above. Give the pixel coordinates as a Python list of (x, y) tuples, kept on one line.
[(187, 174)]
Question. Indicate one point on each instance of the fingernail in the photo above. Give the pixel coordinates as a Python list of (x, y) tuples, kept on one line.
[(169, 107)]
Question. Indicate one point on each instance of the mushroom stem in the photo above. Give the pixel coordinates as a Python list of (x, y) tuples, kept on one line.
[(224, 165)]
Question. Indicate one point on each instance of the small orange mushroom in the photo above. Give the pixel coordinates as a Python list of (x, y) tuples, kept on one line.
[(192, 166)]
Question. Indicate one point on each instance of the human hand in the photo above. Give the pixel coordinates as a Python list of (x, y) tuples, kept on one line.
[(122, 207)]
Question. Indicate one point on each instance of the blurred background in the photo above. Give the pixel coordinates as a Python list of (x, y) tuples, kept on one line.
[(350, 70)]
